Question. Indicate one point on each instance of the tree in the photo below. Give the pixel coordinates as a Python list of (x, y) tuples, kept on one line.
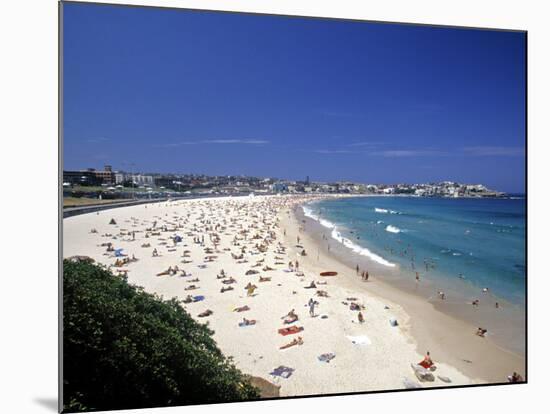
[(125, 348)]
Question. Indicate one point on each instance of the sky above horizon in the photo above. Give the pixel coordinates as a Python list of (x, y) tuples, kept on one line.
[(160, 90)]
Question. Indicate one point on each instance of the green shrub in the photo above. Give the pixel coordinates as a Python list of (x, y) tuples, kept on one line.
[(125, 348)]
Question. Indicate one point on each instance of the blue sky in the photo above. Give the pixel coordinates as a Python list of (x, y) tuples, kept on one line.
[(217, 93)]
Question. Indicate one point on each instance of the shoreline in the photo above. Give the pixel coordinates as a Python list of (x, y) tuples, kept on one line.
[(488, 359), (459, 293)]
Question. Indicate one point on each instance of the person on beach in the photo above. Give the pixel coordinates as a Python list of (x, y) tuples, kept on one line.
[(311, 305), (360, 317), (356, 269), (295, 341), (250, 288), (481, 332), (515, 377), (248, 322), (312, 285), (427, 361), (497, 305), (417, 277), (290, 317), (475, 302), (155, 252), (366, 276)]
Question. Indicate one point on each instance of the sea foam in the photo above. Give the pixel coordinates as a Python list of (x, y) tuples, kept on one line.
[(393, 229), (385, 211), (308, 212), (363, 251)]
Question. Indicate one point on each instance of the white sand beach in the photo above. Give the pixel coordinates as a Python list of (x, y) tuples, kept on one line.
[(259, 235)]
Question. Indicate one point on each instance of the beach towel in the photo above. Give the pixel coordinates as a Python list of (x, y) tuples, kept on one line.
[(282, 371), (198, 298), (422, 373), (444, 379), (291, 330), (326, 357), (360, 340), (118, 252)]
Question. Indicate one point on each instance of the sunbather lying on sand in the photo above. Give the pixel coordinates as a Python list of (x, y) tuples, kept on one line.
[(168, 271), (356, 307), (322, 293), (247, 322), (295, 341), (241, 309), (207, 312), (229, 281), (481, 332), (225, 289), (265, 279), (192, 287), (312, 285)]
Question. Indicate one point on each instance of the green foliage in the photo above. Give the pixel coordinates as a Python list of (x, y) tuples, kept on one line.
[(124, 348)]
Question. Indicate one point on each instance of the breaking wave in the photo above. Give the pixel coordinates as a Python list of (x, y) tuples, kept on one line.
[(393, 229), (336, 235)]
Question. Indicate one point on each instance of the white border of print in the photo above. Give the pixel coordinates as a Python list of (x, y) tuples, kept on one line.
[(29, 204)]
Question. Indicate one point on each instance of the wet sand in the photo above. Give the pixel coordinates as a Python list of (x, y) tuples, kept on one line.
[(444, 327)]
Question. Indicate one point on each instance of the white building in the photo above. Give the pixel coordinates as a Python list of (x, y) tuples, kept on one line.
[(137, 179)]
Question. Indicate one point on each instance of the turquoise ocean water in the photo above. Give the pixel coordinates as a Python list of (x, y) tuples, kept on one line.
[(478, 241)]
